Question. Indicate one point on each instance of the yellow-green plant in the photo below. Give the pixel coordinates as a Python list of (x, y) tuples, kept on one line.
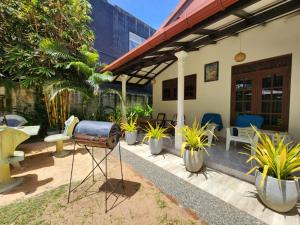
[(130, 126), (279, 160), (156, 132), (195, 138)]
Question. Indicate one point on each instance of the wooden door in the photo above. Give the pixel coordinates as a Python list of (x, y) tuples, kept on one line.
[(263, 88)]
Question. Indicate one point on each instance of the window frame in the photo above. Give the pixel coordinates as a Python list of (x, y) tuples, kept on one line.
[(257, 71), (172, 85), (133, 37)]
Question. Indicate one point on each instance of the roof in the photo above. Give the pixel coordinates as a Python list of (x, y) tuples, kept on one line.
[(192, 25), (196, 11)]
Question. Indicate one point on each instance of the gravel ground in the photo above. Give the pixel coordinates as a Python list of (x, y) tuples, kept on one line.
[(208, 207)]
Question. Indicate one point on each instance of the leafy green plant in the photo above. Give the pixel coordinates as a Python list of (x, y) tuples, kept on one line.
[(156, 132), (279, 160), (140, 111), (148, 110), (130, 126), (49, 44), (195, 138), (115, 116)]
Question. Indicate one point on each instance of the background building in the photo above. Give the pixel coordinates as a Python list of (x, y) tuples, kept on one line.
[(116, 31)]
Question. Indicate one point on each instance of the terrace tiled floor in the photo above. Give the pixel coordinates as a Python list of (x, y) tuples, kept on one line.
[(237, 193)]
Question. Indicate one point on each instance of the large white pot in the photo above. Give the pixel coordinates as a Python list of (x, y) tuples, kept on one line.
[(271, 195), (193, 163), (155, 146), (130, 137)]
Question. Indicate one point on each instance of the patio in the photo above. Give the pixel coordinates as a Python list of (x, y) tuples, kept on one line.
[(240, 195), (229, 162)]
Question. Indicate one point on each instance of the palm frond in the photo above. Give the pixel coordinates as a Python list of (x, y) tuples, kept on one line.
[(55, 49), (81, 67)]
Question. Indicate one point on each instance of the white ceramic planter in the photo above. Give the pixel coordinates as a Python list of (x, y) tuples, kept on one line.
[(130, 137), (155, 146), (193, 163), (271, 195)]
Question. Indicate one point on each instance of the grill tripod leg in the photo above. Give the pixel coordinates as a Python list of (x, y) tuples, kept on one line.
[(106, 181), (120, 155), (93, 164), (71, 173)]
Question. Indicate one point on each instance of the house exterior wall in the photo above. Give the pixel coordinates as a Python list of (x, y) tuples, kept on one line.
[(276, 38)]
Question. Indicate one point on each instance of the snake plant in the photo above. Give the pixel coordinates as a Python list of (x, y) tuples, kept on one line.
[(279, 160)]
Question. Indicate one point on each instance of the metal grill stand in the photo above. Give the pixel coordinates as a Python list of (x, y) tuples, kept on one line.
[(87, 135), (92, 172)]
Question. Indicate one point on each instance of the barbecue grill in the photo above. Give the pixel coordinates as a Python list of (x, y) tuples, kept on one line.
[(99, 134)]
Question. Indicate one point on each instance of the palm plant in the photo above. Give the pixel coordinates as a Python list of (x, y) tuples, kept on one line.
[(86, 81), (50, 44), (115, 116), (156, 132), (280, 161), (195, 138)]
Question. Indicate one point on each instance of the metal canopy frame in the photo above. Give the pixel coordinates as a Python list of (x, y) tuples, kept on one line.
[(160, 59)]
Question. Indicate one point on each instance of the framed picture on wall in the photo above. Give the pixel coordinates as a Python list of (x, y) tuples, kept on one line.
[(211, 71)]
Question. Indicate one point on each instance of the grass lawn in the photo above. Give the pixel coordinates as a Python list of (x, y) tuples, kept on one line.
[(140, 203)]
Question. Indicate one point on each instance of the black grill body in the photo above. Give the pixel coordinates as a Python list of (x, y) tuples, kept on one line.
[(97, 134)]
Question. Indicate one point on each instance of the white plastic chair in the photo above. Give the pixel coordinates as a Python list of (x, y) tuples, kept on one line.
[(60, 138), (210, 134), (245, 135)]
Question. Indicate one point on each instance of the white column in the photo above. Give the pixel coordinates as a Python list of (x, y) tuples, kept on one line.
[(124, 80), (181, 56)]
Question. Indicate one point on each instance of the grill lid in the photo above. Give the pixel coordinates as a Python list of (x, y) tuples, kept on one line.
[(97, 133)]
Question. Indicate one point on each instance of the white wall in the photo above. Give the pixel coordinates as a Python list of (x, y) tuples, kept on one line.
[(277, 38)]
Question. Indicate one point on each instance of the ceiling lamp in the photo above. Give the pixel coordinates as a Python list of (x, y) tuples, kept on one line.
[(241, 56)]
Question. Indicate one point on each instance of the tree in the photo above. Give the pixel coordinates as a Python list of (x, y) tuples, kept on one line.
[(49, 45)]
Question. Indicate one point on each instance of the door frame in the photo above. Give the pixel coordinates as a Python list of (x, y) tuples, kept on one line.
[(251, 69)]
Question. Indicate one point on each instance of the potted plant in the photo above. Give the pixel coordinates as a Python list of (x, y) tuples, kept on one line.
[(275, 166), (196, 142), (154, 135), (130, 129)]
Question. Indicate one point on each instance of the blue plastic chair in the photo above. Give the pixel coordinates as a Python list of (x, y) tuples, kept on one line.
[(248, 120), (243, 131), (212, 118)]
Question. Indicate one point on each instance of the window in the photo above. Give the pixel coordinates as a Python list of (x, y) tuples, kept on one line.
[(169, 88), (263, 88), (135, 40), (190, 83)]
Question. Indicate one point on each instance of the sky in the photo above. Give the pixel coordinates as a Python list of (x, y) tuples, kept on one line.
[(152, 12)]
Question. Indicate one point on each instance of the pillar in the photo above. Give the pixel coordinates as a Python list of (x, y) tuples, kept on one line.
[(181, 56)]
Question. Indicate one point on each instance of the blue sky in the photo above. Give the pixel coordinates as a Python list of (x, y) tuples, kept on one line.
[(152, 12)]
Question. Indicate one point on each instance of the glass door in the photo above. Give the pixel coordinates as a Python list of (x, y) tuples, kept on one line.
[(243, 96), (274, 99), (263, 88)]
